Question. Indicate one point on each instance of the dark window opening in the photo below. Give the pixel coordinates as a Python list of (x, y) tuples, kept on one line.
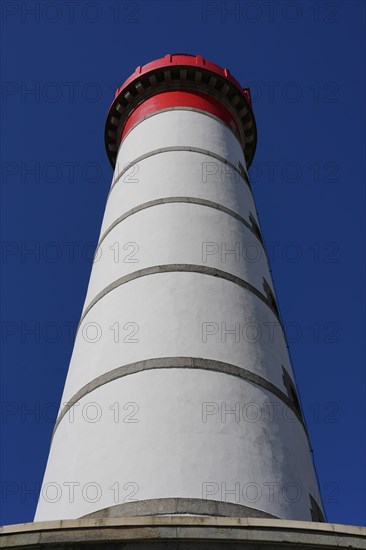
[(315, 510), (270, 296), (291, 390), (255, 227)]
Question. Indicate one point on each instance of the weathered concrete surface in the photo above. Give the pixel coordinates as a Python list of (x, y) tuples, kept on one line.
[(187, 506), (183, 533)]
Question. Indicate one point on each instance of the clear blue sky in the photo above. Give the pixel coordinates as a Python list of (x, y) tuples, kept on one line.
[(305, 63)]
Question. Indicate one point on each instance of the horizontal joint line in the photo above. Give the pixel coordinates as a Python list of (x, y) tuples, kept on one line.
[(178, 362), (180, 268), (174, 200), (175, 149)]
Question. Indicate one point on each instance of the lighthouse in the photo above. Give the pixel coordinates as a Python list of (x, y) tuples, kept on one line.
[(180, 397)]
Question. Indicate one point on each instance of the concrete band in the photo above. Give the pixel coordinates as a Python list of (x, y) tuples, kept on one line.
[(180, 148), (174, 200), (181, 363), (196, 506), (182, 268), (183, 533)]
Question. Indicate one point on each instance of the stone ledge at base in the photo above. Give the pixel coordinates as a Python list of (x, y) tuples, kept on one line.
[(183, 533)]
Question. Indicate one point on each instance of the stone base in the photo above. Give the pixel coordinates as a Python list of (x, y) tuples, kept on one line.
[(183, 533)]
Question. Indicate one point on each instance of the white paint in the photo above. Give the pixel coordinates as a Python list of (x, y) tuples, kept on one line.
[(170, 451), (179, 129), (177, 438), (157, 236), (171, 312), (182, 174)]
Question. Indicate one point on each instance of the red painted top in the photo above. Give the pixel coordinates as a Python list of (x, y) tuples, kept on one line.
[(187, 60), (158, 85)]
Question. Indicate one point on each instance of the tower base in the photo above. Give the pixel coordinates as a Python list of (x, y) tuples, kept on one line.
[(183, 533)]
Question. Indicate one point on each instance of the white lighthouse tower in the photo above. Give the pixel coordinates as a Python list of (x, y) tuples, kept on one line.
[(180, 395)]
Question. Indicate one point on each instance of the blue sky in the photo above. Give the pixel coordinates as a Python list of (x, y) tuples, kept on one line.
[(304, 62)]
